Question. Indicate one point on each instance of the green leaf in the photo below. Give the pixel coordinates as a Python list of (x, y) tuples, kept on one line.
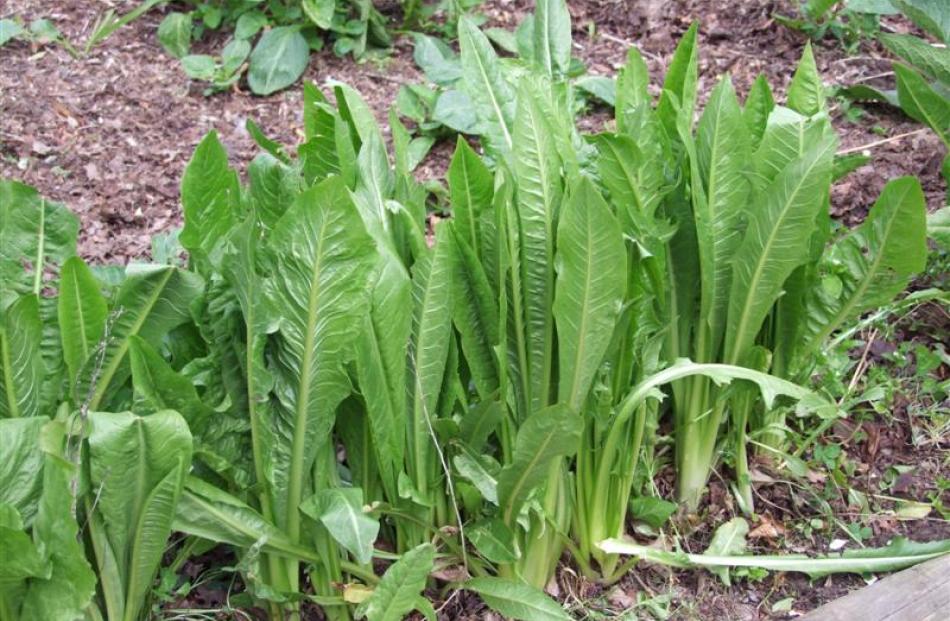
[(22, 371), (728, 540), (719, 203), (278, 60), (494, 541), (654, 512), (470, 187), (516, 600), (922, 103), (678, 98), (174, 33), (81, 314), (23, 558), (428, 352), (436, 59), (632, 83), (137, 466), (872, 263), (931, 60), (938, 227), (537, 173), (591, 281), (397, 594), (758, 106), (472, 467), (321, 259), (9, 29), (209, 194), (21, 460), (635, 178), (249, 24), (340, 510), (150, 302), (931, 15), (775, 243), (34, 232), (599, 87), (320, 12), (899, 554), (199, 67), (484, 82), (454, 109), (552, 37), (806, 93), (72, 584), (545, 436)]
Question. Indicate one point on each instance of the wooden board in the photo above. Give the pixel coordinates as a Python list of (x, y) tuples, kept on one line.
[(921, 593)]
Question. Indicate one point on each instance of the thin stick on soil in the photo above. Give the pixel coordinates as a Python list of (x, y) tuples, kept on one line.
[(879, 143)]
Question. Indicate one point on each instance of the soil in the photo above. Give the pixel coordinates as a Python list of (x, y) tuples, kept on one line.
[(110, 133)]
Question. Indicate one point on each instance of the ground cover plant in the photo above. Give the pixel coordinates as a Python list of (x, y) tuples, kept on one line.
[(326, 384)]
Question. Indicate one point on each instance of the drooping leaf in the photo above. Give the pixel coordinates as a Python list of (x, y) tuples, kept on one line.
[(922, 103), (931, 15), (278, 60), (933, 61), (398, 593), (494, 540), (516, 600), (871, 264), (591, 281), (340, 510), (137, 466), (728, 540), (436, 59), (545, 436)]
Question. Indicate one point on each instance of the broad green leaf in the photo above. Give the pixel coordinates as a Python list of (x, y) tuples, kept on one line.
[(806, 93), (470, 187), (9, 29), (933, 61), (775, 243), (600, 87), (273, 188), (491, 94), (398, 593), (635, 178), (516, 600), (728, 540), (428, 352), (199, 66), (340, 510), (654, 512), (475, 469), (475, 312), (545, 436), (209, 194), (537, 173), (721, 161), (374, 186), (22, 371), (552, 37), (150, 302), (137, 466), (479, 422), (23, 558), (320, 12), (321, 260), (681, 84), (357, 114), (758, 106), (931, 15), (591, 280), (72, 583), (174, 33), (249, 24), (871, 264), (922, 103), (21, 461), (787, 137), (34, 232), (494, 541), (899, 554), (82, 315), (278, 60), (436, 59)]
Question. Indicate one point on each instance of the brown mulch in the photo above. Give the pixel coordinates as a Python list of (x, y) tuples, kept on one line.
[(109, 135)]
